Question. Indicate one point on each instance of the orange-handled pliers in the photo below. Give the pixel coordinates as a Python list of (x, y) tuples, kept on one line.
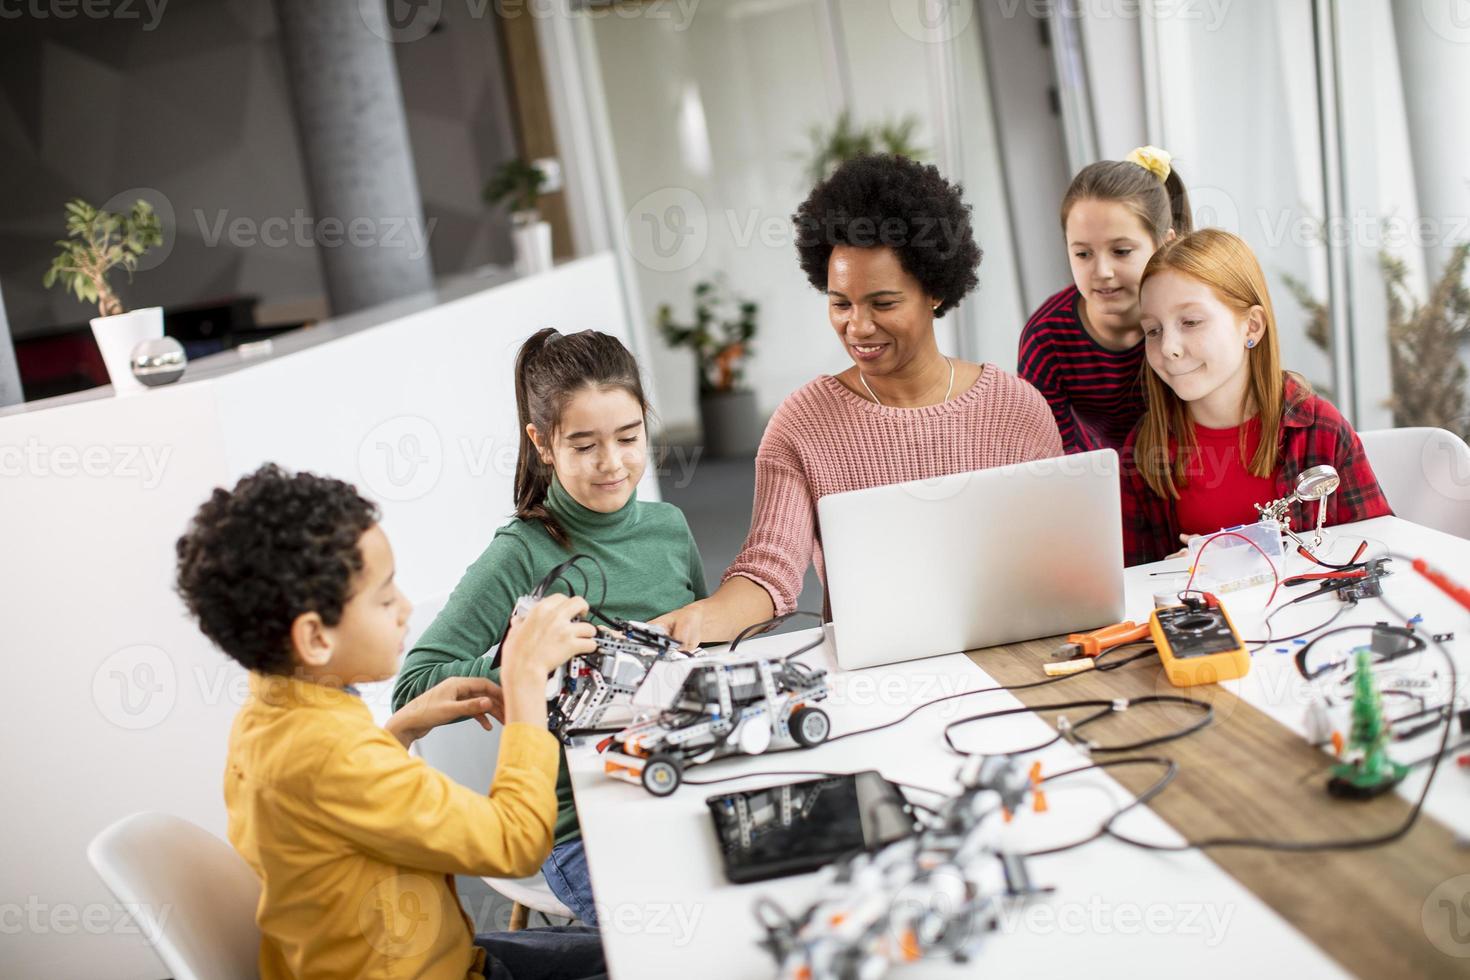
[(1094, 643)]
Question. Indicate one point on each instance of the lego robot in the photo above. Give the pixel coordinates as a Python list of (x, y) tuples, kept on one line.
[(580, 692), (937, 892), (729, 704)]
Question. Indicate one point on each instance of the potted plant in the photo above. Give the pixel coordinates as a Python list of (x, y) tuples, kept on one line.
[(98, 242), (845, 140), (1425, 340), (519, 184), (720, 337)]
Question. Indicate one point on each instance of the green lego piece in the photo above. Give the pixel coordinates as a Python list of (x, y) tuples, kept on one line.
[(1367, 769)]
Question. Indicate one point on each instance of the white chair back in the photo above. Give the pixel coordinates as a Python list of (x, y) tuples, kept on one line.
[(1425, 474), (191, 894)]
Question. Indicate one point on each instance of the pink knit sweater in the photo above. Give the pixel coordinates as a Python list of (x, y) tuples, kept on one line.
[(826, 439)]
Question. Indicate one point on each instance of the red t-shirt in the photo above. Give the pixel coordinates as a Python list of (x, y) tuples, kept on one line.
[(1219, 491)]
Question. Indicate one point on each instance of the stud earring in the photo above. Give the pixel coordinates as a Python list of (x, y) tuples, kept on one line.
[(1249, 344)]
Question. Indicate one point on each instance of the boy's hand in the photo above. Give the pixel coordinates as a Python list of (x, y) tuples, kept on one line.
[(548, 636), (535, 645), (685, 624), (449, 700)]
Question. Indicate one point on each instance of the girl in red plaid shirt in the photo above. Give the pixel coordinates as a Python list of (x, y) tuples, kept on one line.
[(1225, 428)]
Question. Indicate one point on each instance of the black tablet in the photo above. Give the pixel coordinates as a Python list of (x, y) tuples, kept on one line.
[(799, 827)]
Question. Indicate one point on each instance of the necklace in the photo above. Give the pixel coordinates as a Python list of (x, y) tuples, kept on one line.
[(947, 392)]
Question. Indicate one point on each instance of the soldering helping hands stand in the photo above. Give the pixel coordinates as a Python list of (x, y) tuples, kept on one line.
[(1316, 483)]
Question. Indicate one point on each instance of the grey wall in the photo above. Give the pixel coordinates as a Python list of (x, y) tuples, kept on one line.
[(1031, 145), (193, 108)]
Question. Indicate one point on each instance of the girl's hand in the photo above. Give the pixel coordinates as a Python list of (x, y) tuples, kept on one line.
[(685, 625), (1183, 552), (450, 700)]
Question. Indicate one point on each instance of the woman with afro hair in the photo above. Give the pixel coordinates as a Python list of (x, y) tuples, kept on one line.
[(889, 242)]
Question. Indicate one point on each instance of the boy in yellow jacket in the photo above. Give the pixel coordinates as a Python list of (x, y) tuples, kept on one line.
[(355, 841)]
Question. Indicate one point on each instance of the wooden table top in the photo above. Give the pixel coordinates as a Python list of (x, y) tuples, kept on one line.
[(1246, 775)]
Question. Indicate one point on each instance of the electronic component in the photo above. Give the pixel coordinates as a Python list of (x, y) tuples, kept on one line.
[(798, 827), (1197, 643), (1315, 483), (1366, 770), (730, 703), (580, 691), (939, 892)]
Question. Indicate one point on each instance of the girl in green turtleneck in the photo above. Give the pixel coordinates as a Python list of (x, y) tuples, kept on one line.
[(583, 450)]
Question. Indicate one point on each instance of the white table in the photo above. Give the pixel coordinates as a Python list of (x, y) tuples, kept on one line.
[(665, 906), (1276, 688)]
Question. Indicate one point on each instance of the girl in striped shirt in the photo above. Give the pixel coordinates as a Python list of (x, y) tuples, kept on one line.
[(1083, 347)]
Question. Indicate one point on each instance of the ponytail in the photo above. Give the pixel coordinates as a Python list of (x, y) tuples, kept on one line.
[(533, 475), (550, 368), (1181, 218), (1146, 183)]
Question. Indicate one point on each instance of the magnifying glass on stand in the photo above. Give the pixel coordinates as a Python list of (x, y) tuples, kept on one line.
[(1315, 483)]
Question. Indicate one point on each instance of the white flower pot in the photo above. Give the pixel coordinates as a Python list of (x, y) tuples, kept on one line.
[(116, 338), (532, 243)]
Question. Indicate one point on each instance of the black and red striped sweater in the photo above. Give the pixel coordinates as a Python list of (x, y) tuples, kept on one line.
[(1096, 394)]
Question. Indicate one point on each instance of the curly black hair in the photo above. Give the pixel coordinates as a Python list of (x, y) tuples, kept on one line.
[(884, 200), (256, 557)]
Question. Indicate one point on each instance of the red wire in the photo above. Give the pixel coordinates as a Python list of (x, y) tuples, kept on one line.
[(1276, 577)]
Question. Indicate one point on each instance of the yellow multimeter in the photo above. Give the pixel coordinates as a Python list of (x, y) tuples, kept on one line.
[(1197, 643)]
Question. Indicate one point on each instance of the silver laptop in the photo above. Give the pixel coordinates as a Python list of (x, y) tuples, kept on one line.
[(974, 560)]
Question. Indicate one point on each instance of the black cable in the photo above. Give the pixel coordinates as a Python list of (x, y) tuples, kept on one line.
[(1171, 769), (1262, 644), (757, 628), (1113, 665), (1105, 708), (1098, 664), (1437, 754), (1361, 843), (1415, 640)]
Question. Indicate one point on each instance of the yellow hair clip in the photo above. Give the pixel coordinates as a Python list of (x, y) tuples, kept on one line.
[(1152, 159)]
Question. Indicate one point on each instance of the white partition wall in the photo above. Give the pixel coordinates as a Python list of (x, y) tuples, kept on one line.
[(113, 702)]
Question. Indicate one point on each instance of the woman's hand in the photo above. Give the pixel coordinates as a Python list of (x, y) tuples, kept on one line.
[(685, 624), (1184, 551), (458, 697)]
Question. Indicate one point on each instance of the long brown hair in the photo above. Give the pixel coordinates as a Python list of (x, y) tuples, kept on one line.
[(550, 368), (1227, 265), (1158, 205)]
